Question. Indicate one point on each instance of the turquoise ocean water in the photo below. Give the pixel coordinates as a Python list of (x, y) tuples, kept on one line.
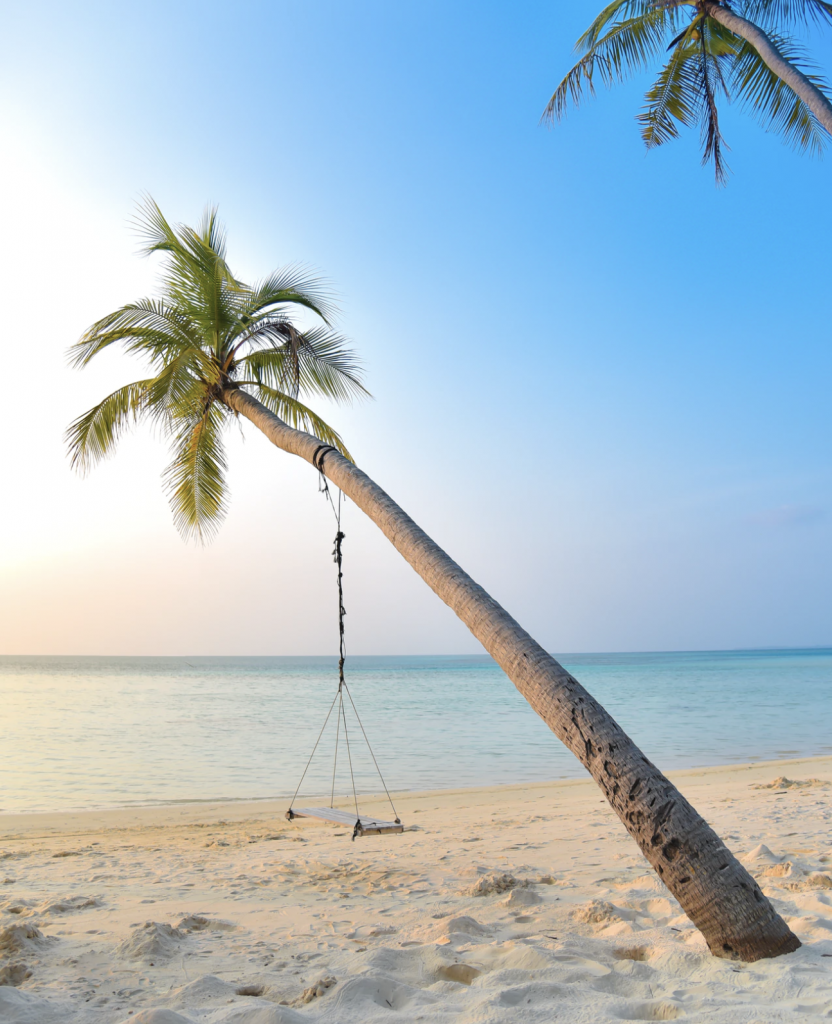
[(92, 732)]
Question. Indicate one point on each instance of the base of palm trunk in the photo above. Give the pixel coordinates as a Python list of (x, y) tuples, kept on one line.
[(759, 948)]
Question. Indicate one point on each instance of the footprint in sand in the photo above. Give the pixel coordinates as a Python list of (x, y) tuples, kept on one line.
[(200, 923), (18, 907), (14, 974), (69, 904), (462, 974)]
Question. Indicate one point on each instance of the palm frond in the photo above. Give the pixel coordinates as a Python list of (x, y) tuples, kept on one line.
[(329, 367), (292, 285), (319, 362), (773, 103), (152, 226), (672, 98), (195, 479), (196, 274), (201, 247), (618, 10), (151, 326), (211, 233), (296, 414), (711, 83), (94, 435), (179, 391), (780, 14), (627, 47)]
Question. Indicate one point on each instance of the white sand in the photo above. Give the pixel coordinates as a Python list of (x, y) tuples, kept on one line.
[(228, 913)]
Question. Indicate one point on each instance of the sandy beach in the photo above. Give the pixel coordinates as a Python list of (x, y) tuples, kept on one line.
[(499, 904)]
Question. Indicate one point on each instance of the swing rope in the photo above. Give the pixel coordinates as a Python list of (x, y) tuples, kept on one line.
[(341, 715), (337, 737), (317, 741)]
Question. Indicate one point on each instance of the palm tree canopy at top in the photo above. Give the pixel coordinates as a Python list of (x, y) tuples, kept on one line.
[(204, 333), (704, 61)]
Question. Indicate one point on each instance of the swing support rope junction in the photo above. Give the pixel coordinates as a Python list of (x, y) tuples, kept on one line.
[(362, 825)]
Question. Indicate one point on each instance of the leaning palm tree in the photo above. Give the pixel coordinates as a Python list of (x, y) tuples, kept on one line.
[(220, 350), (712, 50)]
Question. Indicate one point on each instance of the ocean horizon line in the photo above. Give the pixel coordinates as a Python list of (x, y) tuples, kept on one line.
[(770, 648)]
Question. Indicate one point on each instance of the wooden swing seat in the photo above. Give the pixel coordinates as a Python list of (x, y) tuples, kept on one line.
[(365, 825)]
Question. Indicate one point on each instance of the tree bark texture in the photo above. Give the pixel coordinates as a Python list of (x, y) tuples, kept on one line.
[(785, 70), (713, 888)]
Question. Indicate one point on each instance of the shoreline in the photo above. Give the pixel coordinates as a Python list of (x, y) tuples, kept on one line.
[(194, 811)]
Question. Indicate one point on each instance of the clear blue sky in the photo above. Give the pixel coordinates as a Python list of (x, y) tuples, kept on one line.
[(601, 383)]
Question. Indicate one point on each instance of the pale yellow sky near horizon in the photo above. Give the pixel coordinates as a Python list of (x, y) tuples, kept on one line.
[(93, 565)]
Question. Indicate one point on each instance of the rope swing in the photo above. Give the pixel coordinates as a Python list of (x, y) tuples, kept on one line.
[(361, 825)]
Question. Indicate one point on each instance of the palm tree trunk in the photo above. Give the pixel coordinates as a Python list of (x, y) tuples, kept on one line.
[(714, 889), (785, 70)]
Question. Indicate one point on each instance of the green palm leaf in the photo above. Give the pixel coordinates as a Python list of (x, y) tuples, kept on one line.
[(320, 362), (776, 13), (179, 390), (195, 479), (773, 102), (712, 50), (673, 98), (294, 285), (617, 11), (627, 47), (93, 436), (149, 326), (197, 276), (193, 255)]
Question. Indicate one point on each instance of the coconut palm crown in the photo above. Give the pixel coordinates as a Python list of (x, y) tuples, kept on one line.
[(207, 332), (712, 51)]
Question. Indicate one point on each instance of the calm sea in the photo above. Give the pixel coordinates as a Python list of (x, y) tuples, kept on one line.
[(93, 732)]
